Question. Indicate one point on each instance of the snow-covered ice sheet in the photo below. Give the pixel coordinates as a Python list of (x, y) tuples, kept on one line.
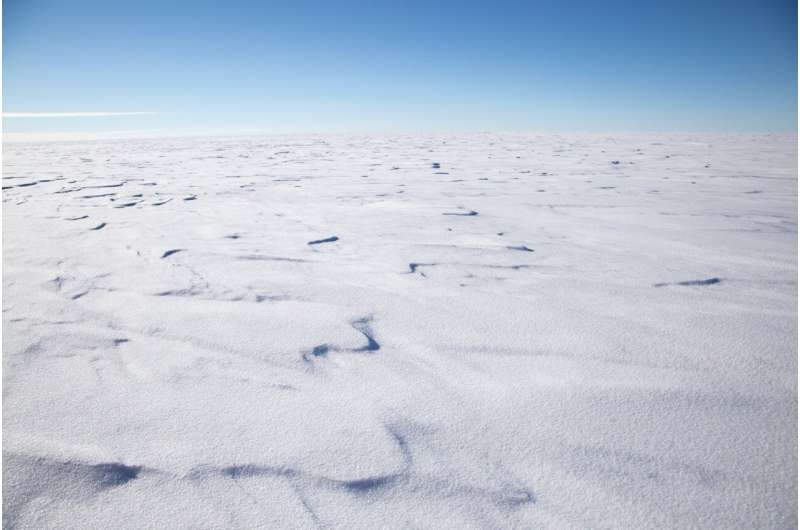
[(479, 331)]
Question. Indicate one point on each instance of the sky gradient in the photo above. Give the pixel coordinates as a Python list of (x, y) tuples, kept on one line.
[(344, 66)]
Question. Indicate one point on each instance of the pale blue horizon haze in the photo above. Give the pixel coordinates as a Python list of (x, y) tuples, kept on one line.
[(400, 66)]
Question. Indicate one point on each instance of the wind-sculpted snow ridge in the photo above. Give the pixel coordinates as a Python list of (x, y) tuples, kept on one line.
[(485, 331)]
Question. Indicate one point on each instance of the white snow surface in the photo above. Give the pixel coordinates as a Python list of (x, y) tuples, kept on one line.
[(539, 363)]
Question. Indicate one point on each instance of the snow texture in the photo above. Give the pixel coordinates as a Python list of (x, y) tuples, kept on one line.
[(478, 331)]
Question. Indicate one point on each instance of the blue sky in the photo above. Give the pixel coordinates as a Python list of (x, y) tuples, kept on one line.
[(339, 66)]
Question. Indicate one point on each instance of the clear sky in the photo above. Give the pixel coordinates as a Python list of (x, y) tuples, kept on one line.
[(428, 66)]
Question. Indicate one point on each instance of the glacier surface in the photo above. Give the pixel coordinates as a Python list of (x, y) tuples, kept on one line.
[(427, 331)]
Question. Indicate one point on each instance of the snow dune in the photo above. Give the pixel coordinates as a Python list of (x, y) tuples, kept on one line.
[(483, 331)]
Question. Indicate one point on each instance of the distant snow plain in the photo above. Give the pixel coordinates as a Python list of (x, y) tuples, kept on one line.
[(477, 331)]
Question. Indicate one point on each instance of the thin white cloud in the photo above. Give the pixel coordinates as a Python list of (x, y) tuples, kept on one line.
[(71, 114)]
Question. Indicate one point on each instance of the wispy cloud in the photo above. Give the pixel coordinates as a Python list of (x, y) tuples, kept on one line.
[(71, 114)]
